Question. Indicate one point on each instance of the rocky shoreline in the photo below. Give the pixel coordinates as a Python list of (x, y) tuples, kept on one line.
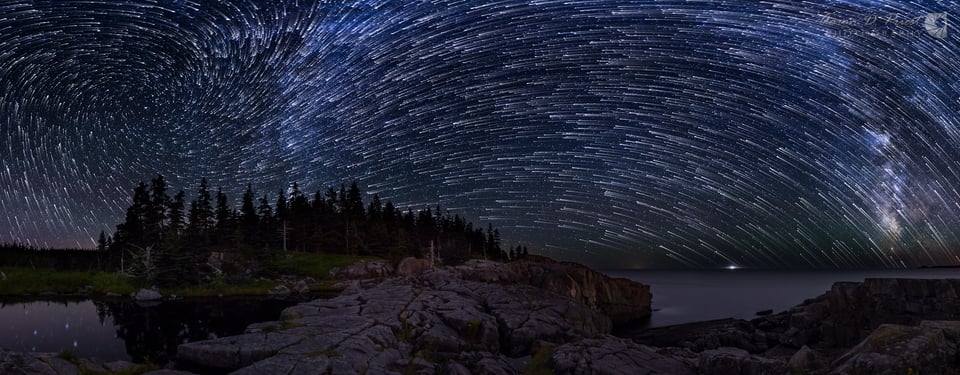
[(541, 316)]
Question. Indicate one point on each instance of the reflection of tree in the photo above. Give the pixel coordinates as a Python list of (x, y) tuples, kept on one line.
[(155, 331)]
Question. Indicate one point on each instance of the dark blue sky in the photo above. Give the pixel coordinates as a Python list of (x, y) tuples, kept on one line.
[(620, 133)]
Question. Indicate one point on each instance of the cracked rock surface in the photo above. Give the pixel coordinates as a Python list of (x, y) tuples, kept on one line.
[(481, 317)]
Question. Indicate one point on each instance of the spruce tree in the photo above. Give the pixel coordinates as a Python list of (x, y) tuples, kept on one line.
[(176, 213), (248, 213), (102, 242), (203, 210), (223, 210), (281, 206), (266, 230), (157, 209), (355, 199)]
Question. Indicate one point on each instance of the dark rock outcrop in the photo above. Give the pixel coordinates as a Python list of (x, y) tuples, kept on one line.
[(734, 361), (885, 321), (928, 348), (453, 317), (850, 311), (622, 300), (707, 335), (611, 355)]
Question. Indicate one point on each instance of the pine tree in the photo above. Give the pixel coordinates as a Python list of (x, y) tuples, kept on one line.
[(223, 210), (318, 205), (266, 230), (299, 221), (375, 209), (281, 206), (489, 243), (342, 205), (355, 200), (201, 212), (248, 213), (264, 211), (332, 202), (102, 242), (176, 213), (156, 211)]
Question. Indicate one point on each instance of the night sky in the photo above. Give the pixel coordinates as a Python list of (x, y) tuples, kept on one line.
[(619, 133)]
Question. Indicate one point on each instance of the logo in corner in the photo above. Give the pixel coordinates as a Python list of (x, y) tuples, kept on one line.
[(936, 25)]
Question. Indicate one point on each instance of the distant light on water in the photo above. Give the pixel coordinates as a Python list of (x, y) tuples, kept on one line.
[(732, 267)]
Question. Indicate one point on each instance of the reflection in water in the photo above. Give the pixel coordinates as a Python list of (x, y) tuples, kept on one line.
[(125, 330), (55, 326)]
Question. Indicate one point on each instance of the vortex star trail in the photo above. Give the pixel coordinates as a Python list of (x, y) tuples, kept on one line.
[(624, 133)]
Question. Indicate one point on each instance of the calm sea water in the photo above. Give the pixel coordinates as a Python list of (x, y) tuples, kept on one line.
[(690, 296)]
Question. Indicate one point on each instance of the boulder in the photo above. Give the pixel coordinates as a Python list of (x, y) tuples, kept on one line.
[(301, 287), (147, 295), (805, 359), (412, 266), (279, 291), (733, 361), (363, 270)]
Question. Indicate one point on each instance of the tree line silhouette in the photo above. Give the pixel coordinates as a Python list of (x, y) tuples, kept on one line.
[(163, 238), (20, 255)]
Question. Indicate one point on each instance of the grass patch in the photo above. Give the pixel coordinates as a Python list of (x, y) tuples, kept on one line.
[(45, 280), (286, 324), (69, 357), (25, 281), (105, 282), (540, 363), (246, 288), (329, 352), (135, 369), (315, 265)]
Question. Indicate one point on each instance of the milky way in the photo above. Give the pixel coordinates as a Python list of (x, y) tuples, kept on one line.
[(635, 134)]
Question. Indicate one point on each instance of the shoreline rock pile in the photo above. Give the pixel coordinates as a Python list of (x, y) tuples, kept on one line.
[(894, 326)]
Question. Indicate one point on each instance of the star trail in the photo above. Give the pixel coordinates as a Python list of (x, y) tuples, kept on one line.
[(618, 133)]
